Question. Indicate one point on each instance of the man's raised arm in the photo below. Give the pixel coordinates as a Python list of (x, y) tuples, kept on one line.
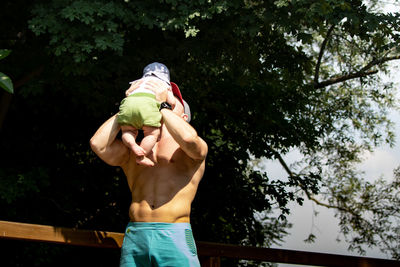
[(106, 145), (185, 135)]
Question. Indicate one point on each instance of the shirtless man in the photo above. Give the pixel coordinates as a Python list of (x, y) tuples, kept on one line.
[(159, 233)]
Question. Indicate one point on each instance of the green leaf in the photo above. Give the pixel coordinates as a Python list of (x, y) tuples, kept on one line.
[(4, 53), (6, 83)]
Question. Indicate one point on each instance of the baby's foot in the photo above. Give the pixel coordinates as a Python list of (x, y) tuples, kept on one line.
[(144, 161), (139, 152)]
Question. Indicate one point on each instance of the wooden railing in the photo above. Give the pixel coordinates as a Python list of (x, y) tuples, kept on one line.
[(209, 253)]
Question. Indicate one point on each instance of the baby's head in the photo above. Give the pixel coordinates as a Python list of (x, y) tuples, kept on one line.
[(158, 70), (161, 71)]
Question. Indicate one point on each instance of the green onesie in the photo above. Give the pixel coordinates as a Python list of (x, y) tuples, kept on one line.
[(140, 109)]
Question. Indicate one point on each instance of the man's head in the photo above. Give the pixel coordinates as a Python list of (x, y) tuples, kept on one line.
[(186, 109), (182, 110), (184, 104), (162, 72)]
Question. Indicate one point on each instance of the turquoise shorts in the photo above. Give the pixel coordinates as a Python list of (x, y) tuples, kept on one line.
[(158, 244)]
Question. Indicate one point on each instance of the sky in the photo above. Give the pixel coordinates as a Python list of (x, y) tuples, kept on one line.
[(381, 162)]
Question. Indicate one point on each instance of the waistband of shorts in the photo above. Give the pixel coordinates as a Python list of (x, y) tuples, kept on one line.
[(142, 94), (159, 225)]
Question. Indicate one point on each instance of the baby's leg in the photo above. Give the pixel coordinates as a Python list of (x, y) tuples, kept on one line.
[(151, 135), (129, 134)]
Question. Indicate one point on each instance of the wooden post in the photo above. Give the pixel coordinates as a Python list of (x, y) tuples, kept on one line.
[(210, 261)]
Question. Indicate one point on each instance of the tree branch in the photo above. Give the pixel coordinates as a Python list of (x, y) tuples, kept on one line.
[(309, 196), (344, 78), (321, 52), (6, 98), (29, 76), (361, 73)]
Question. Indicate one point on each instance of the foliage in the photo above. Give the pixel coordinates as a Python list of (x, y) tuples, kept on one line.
[(370, 213), (262, 78), (5, 81)]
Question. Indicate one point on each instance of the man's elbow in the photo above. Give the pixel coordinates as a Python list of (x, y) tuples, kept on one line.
[(198, 148), (204, 151), (112, 155), (95, 146), (202, 154)]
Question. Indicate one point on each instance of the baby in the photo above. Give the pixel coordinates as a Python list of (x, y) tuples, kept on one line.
[(140, 110)]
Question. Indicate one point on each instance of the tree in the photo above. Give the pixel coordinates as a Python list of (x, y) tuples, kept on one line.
[(5, 81), (356, 112), (262, 78)]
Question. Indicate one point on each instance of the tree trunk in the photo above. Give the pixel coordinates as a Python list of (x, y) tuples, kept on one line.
[(5, 102), (6, 98)]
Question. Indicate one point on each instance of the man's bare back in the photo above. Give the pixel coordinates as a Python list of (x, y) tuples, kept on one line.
[(163, 193)]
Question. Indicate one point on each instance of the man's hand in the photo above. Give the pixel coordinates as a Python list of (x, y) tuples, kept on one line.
[(171, 99), (160, 88), (133, 87)]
